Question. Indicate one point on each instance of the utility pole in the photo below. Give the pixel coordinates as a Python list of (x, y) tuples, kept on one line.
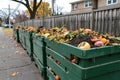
[(9, 15), (53, 11)]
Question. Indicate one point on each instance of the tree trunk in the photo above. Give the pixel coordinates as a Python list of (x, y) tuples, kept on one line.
[(32, 15)]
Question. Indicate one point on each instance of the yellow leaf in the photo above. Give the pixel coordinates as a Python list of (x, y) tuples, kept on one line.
[(14, 73)]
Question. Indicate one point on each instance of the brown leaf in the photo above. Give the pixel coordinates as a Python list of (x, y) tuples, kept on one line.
[(22, 52), (17, 52), (14, 73)]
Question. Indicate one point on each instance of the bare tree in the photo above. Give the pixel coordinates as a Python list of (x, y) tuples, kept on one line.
[(58, 10), (26, 3), (21, 16)]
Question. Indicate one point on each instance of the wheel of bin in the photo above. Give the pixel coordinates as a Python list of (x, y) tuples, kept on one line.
[(32, 59)]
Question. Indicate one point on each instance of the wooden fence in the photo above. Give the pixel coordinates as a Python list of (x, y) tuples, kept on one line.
[(105, 20), (72, 21)]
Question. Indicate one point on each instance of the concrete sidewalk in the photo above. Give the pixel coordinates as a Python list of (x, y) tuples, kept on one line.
[(15, 64)]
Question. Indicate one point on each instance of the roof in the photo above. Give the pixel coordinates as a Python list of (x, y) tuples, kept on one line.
[(78, 1)]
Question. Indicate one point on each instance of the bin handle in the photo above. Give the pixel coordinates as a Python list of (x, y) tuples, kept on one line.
[(87, 68)]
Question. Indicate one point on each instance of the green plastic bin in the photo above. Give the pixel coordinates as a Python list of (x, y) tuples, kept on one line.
[(20, 35), (39, 54), (29, 43), (94, 64), (22, 38), (16, 35)]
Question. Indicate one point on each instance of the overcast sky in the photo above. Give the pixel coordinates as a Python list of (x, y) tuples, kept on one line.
[(64, 4)]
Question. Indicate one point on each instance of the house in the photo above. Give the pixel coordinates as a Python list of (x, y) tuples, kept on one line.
[(89, 5)]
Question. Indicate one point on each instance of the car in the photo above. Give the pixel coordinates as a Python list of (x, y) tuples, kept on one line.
[(7, 25)]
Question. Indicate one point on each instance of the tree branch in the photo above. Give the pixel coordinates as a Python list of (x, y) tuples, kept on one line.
[(28, 6), (19, 2), (39, 4), (27, 3), (32, 10), (34, 5)]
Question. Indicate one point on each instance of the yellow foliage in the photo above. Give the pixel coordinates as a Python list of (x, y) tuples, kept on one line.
[(42, 11)]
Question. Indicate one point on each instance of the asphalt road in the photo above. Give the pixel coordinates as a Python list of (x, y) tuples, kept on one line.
[(15, 64)]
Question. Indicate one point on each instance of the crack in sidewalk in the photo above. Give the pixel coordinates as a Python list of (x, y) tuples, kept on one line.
[(16, 67)]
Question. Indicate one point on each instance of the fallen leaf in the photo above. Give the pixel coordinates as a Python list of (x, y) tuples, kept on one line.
[(14, 73), (17, 52), (21, 52), (118, 38), (18, 45)]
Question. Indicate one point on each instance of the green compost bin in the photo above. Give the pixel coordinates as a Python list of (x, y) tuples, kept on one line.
[(29, 43), (16, 35), (101, 63), (20, 35), (22, 38), (39, 54)]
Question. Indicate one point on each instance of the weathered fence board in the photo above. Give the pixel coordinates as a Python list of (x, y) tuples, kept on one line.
[(118, 22), (105, 21)]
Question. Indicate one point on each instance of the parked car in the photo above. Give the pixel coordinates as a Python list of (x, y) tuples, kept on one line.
[(7, 25)]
